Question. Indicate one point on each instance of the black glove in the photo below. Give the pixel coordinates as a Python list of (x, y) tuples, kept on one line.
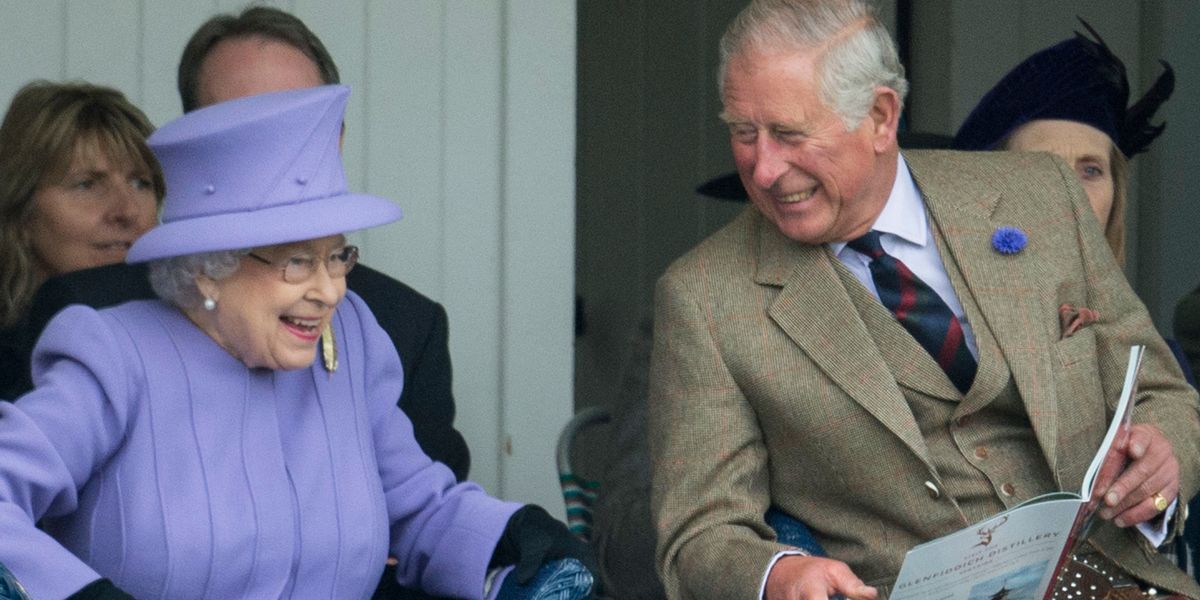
[(100, 589), (533, 537)]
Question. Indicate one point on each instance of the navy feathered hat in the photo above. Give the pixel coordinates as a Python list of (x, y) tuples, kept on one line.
[(1078, 79)]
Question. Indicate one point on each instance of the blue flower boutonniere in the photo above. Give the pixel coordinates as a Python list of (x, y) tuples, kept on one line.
[(1009, 240)]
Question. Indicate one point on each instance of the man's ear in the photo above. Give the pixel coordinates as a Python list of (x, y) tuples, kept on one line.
[(884, 118)]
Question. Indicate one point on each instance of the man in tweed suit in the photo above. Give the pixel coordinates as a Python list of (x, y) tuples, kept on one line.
[(779, 378)]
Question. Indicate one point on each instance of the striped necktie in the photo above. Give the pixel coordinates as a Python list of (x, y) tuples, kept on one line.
[(920, 310)]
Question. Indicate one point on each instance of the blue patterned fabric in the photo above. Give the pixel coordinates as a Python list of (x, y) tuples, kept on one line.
[(10, 589), (793, 532), (562, 579)]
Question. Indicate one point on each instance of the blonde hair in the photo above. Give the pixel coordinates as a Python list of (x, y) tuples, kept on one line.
[(1114, 231), (46, 124)]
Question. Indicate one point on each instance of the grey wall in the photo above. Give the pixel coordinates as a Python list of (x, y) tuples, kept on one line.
[(647, 135), (1168, 217)]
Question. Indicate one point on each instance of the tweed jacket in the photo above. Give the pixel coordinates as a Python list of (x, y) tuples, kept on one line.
[(766, 387)]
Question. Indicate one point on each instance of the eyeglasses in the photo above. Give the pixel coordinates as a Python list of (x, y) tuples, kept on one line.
[(299, 267)]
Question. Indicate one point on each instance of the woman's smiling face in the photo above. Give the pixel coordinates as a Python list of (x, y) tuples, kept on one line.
[(265, 321)]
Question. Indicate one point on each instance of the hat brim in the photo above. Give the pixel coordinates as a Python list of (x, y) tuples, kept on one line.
[(306, 220)]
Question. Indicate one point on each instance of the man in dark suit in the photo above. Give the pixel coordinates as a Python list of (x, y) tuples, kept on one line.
[(787, 372), (262, 50)]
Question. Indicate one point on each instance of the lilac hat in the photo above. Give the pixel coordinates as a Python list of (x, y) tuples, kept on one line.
[(256, 171)]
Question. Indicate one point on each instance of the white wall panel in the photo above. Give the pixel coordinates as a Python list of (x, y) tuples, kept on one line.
[(32, 44), (405, 64), (233, 6), (471, 212), (463, 113), (103, 44), (341, 27), (167, 25), (538, 224)]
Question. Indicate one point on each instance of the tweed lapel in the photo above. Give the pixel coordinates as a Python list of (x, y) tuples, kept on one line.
[(832, 334), (965, 214), (992, 375)]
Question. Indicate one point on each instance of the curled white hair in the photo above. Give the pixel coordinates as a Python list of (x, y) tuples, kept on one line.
[(174, 279), (856, 53)]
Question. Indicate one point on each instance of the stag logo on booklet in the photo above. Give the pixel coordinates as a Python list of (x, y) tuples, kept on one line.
[(986, 532)]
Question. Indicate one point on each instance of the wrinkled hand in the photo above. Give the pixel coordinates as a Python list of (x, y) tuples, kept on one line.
[(815, 578), (1139, 464), (533, 537)]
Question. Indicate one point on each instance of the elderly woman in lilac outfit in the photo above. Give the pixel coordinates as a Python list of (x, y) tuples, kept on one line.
[(240, 437)]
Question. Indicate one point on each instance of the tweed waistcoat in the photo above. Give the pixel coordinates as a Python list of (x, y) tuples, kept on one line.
[(982, 444)]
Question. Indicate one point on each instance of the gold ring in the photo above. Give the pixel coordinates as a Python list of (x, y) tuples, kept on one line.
[(1160, 503)]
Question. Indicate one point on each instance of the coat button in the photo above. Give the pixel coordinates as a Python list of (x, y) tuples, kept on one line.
[(1008, 489), (981, 453), (934, 492)]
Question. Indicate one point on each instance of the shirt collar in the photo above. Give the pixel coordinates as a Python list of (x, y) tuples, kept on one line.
[(904, 214)]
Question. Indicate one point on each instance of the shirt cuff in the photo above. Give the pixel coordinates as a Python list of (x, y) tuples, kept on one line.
[(494, 580), (1156, 530), (762, 587)]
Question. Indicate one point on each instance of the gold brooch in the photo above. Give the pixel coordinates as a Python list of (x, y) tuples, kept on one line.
[(329, 349)]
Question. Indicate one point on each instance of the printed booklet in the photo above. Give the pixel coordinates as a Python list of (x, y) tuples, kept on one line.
[(1019, 552)]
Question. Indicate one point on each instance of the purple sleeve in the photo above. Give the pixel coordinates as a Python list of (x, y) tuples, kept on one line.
[(52, 440), (442, 533)]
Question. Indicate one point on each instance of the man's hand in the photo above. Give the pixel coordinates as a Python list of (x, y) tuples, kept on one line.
[(814, 578), (1152, 469)]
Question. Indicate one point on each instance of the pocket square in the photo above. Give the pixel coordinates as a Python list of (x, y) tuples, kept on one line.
[(1074, 318)]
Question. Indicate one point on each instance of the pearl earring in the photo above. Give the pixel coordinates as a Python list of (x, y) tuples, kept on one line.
[(210, 304)]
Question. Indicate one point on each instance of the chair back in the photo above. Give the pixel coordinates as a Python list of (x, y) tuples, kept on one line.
[(579, 493)]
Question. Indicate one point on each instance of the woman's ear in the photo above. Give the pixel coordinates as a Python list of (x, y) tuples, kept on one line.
[(208, 288)]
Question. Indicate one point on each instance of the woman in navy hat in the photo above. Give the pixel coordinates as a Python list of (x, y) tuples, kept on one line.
[(224, 442), (1070, 99)]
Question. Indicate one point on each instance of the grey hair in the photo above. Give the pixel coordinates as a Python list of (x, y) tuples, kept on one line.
[(856, 53), (174, 278)]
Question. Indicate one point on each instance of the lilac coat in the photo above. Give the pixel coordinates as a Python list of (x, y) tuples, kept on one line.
[(154, 458)]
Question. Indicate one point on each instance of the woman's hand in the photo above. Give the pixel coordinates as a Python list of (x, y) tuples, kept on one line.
[(533, 537)]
